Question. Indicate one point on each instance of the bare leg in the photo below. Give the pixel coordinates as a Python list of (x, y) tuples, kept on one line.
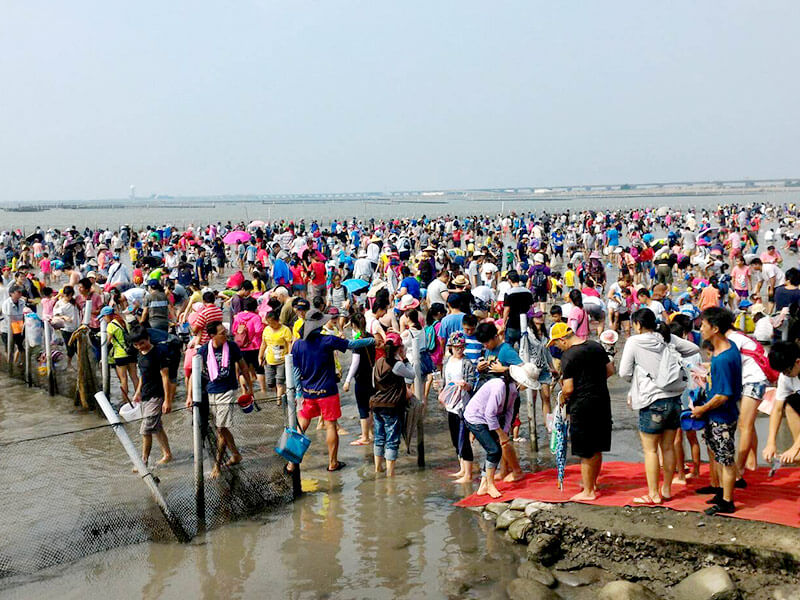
[(694, 448), (650, 443), (466, 466), (332, 440), (590, 469), (380, 466), (390, 468), (487, 484), (231, 444), (680, 474), (747, 431), (147, 445), (166, 453), (667, 444)]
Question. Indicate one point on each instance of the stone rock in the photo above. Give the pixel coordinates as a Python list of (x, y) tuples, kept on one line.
[(475, 509), (711, 583), (506, 518), (496, 507), (786, 592), (528, 589), (543, 505), (521, 530), (625, 590), (531, 509), (529, 570), (581, 577), (519, 503), (544, 548)]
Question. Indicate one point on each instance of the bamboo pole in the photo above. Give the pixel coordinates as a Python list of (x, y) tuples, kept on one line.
[(141, 468), (197, 429)]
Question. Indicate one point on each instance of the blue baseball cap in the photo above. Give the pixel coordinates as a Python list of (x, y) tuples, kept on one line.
[(106, 310)]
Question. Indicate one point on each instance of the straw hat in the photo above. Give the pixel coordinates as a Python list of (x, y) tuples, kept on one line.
[(460, 281), (526, 374)]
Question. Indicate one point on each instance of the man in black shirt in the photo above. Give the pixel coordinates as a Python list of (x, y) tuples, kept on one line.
[(584, 370), (517, 301), (154, 393)]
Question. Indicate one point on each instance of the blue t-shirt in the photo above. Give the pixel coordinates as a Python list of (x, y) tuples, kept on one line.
[(281, 274), (314, 358), (506, 354), (450, 324), (726, 379), (412, 286), (226, 376), (613, 237)]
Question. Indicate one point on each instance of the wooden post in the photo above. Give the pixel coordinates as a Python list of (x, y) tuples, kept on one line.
[(48, 353), (141, 468), (10, 347), (105, 368), (525, 355), (291, 419), (197, 429), (419, 392)]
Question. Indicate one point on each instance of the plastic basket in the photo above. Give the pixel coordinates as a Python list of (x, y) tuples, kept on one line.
[(690, 424)]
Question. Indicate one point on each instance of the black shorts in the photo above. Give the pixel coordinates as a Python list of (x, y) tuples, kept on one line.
[(540, 295), (125, 360), (589, 437), (251, 358), (626, 316), (793, 400)]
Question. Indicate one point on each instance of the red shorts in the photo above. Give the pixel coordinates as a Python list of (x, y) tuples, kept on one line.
[(328, 407)]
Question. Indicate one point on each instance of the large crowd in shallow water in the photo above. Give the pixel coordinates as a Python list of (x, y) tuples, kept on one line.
[(698, 310)]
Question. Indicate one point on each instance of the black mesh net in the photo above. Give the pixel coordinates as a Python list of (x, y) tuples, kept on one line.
[(69, 495)]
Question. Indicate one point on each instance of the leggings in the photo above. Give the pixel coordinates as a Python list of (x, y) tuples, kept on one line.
[(363, 394), (459, 435)]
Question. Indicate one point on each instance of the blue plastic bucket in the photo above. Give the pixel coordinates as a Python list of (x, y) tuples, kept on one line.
[(690, 424), (292, 446)]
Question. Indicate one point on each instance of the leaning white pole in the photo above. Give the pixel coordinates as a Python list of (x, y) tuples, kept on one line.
[(197, 428), (105, 368), (291, 400), (141, 468), (10, 347), (525, 355), (27, 346)]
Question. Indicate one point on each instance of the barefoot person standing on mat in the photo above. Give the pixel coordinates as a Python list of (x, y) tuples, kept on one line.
[(585, 367), (649, 362), (489, 416)]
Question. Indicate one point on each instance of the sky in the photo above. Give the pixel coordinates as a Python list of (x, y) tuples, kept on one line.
[(255, 97)]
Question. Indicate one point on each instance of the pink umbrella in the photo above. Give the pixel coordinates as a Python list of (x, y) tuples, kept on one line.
[(234, 237)]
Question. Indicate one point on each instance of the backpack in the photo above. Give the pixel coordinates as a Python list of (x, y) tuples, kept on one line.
[(539, 280), (759, 355), (242, 335), (671, 371), (430, 338)]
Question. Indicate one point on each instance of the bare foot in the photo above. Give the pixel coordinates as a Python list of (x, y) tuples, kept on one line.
[(341, 431), (457, 475), (494, 492), (678, 480), (380, 469), (464, 479), (511, 477), (584, 496), (500, 476), (165, 459), (234, 460), (483, 487)]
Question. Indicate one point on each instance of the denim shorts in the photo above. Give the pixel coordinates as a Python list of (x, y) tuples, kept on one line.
[(545, 376), (754, 390), (661, 415)]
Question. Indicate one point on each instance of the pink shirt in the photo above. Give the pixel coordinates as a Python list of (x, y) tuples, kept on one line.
[(578, 321), (740, 277)]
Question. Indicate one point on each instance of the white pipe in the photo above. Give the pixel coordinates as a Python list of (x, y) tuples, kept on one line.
[(197, 429), (105, 368), (525, 355)]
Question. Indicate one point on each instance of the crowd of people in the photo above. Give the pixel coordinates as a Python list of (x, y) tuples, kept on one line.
[(701, 300)]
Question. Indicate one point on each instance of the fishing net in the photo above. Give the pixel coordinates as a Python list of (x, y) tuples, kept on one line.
[(70, 495)]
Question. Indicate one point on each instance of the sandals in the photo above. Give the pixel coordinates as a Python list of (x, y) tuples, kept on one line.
[(339, 466), (645, 500), (360, 442)]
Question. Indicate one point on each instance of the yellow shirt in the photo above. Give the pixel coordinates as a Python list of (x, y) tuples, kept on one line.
[(278, 341), (297, 328), (134, 254), (569, 278)]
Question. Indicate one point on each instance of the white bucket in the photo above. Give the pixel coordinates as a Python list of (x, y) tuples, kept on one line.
[(130, 411)]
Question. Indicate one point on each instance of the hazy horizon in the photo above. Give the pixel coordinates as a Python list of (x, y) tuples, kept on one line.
[(200, 99)]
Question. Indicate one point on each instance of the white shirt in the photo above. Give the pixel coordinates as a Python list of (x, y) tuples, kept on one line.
[(751, 372), (435, 289), (786, 387), (487, 273), (764, 330), (768, 271)]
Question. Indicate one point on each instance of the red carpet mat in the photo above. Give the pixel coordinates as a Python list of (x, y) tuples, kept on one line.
[(769, 499)]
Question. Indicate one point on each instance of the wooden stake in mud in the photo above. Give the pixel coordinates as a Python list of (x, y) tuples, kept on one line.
[(197, 430), (48, 353), (141, 468), (419, 392), (525, 355), (291, 418)]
